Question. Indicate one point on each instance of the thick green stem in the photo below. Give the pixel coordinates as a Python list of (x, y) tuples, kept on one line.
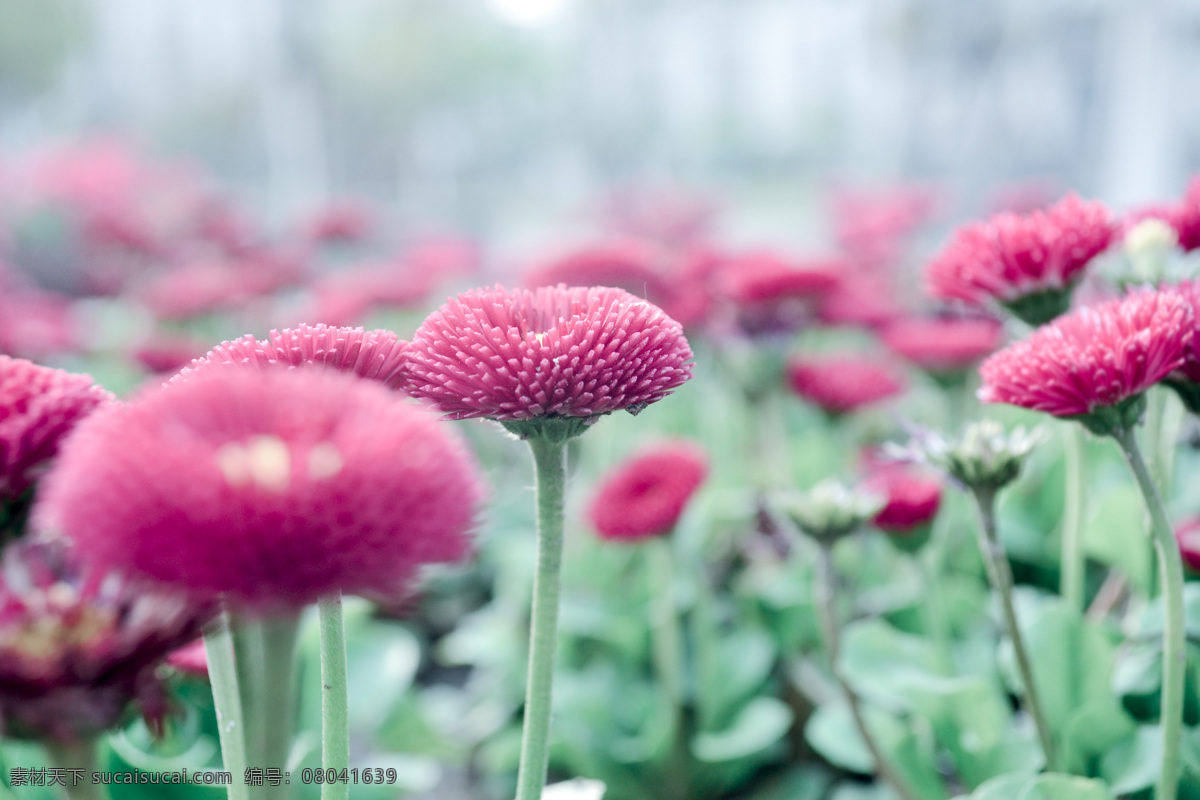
[(1000, 575), (1071, 583), (277, 697), (1171, 576), (826, 601), (550, 465), (231, 728), (248, 663), (78, 759), (335, 713)]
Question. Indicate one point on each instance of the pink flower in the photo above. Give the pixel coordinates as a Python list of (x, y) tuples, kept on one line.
[(1011, 258), (340, 221), (550, 352), (943, 345), (378, 355), (77, 649), (348, 295), (624, 264), (168, 353), (1183, 216), (842, 384), (271, 488), (38, 407), (190, 659), (771, 294), (645, 496), (912, 499), (1093, 358), (1187, 534), (863, 300)]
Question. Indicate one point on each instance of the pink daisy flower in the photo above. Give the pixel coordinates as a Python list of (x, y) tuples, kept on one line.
[(1183, 216), (1187, 534), (842, 384), (39, 406), (1027, 263), (645, 496), (76, 651), (943, 346), (1093, 358), (912, 499), (378, 355), (551, 352), (272, 488)]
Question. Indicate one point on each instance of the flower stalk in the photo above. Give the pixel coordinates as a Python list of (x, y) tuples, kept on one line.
[(335, 714), (1071, 579), (549, 456), (1171, 576), (1000, 574), (231, 728), (76, 755)]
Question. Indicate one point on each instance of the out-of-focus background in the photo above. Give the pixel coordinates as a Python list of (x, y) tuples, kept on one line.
[(495, 117)]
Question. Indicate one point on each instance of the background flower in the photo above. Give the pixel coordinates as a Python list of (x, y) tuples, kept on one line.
[(842, 384), (645, 495)]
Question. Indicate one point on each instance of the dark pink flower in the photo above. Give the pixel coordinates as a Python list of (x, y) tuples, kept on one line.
[(842, 384), (1187, 534), (912, 499), (77, 648), (39, 406), (550, 352), (645, 496), (1022, 260), (1093, 358), (378, 355), (762, 276), (943, 345), (272, 488)]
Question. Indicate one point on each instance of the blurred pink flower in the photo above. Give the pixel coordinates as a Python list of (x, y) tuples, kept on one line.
[(39, 406), (377, 355), (771, 293), (342, 221), (271, 488), (77, 649), (842, 384), (912, 498), (872, 225), (1093, 358), (863, 300), (1011, 258), (644, 496), (943, 345), (669, 216), (1183, 216), (555, 351), (190, 659), (347, 296), (1187, 534)]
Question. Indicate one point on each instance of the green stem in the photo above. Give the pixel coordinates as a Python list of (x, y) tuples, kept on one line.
[(231, 728), (248, 664), (277, 697), (550, 465), (1000, 575), (1171, 575), (664, 618), (78, 758), (826, 601), (335, 713), (1071, 584), (935, 614)]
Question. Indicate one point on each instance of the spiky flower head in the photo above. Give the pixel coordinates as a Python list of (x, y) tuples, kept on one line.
[(39, 406), (1095, 363), (537, 358), (645, 496), (272, 488), (378, 355), (78, 649), (831, 510), (1028, 264), (984, 457)]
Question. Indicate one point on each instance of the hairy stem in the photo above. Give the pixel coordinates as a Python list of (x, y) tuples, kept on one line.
[(335, 714), (1000, 575), (231, 727), (550, 466), (1171, 576), (1071, 583)]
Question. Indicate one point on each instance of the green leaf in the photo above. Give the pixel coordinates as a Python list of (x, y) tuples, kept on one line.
[(742, 663), (760, 724), (1135, 762), (1115, 533), (1063, 787), (1001, 787), (1092, 730), (808, 782), (119, 756)]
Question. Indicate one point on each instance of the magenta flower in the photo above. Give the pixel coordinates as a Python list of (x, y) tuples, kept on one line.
[(1183, 216), (943, 346), (38, 407), (912, 499), (1028, 264), (550, 352), (1094, 358), (273, 488), (76, 651), (1187, 534), (645, 496), (378, 355), (842, 384)]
